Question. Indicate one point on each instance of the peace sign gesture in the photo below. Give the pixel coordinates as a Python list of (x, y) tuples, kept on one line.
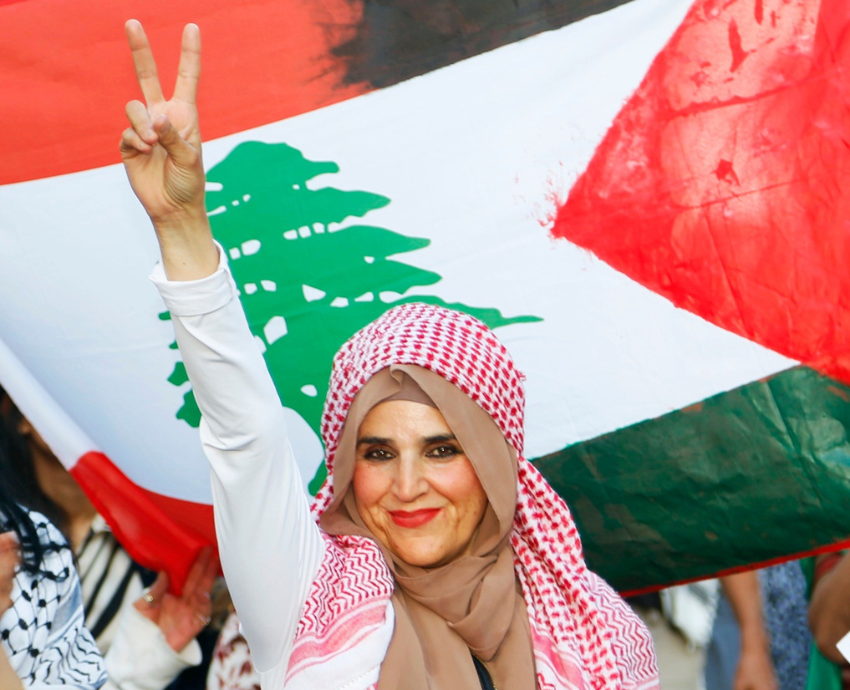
[(161, 150)]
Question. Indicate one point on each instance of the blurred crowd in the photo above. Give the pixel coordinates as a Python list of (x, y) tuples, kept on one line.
[(75, 609), (771, 629)]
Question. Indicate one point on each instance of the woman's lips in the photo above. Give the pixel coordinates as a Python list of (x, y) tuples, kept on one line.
[(413, 518)]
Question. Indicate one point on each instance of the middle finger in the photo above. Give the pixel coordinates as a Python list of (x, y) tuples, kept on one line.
[(189, 70)]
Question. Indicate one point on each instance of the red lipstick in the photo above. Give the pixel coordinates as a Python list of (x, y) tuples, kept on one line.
[(413, 518)]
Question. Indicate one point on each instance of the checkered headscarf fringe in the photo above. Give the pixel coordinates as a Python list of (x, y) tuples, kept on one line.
[(584, 635)]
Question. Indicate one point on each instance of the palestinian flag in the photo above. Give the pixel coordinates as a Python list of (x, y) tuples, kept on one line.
[(645, 198)]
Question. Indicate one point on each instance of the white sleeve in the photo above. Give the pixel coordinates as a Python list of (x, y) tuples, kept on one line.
[(141, 659), (270, 546)]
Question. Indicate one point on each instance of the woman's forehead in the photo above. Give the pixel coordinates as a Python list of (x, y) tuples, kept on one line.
[(406, 419)]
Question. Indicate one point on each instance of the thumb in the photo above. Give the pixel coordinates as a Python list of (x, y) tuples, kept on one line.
[(177, 147)]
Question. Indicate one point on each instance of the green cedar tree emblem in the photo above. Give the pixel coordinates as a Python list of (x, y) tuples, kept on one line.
[(307, 282)]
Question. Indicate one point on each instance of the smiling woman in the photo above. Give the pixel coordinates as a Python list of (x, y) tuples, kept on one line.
[(437, 557), (415, 489)]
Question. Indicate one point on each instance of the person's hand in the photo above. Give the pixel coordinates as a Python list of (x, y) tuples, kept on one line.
[(161, 151), (755, 671), (181, 618), (10, 558)]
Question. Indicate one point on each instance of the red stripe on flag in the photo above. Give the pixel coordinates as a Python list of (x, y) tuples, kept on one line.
[(159, 532), (66, 71), (196, 517), (723, 183)]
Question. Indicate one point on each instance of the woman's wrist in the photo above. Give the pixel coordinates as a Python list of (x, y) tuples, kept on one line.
[(188, 250), (755, 639)]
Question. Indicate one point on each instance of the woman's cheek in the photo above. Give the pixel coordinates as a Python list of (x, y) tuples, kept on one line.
[(459, 483), (369, 483)]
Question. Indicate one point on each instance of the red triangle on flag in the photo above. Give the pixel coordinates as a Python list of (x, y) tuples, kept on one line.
[(722, 184)]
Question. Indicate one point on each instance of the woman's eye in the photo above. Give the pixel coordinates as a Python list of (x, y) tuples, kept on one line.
[(378, 454), (444, 452)]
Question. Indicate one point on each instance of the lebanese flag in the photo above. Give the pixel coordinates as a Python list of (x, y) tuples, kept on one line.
[(513, 160)]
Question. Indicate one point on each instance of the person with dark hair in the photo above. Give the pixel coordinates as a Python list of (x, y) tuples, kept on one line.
[(147, 635), (110, 578), (43, 642)]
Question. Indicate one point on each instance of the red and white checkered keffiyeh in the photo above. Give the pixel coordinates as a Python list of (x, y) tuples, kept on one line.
[(584, 635)]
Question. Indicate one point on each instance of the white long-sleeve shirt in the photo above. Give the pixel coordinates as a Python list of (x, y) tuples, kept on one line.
[(271, 548)]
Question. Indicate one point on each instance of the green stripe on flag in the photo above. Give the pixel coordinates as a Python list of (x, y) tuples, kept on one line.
[(752, 475)]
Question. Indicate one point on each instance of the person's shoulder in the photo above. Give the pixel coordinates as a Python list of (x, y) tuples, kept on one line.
[(353, 576), (348, 619)]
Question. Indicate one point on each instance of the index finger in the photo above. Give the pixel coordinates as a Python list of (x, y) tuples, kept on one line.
[(189, 69), (209, 575), (199, 573), (143, 62)]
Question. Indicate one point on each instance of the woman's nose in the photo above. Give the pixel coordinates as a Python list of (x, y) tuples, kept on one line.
[(410, 481)]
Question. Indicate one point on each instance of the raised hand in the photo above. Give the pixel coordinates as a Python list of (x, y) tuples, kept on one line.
[(10, 558), (181, 618), (161, 150)]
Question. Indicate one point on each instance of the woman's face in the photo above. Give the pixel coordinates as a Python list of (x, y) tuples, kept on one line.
[(415, 488)]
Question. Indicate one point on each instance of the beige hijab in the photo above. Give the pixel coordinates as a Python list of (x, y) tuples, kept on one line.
[(471, 604)]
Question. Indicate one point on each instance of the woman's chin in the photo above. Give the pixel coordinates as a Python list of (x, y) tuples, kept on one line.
[(421, 555)]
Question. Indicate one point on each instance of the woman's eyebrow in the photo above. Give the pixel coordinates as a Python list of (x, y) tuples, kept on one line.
[(372, 439), (378, 440), (440, 438)]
